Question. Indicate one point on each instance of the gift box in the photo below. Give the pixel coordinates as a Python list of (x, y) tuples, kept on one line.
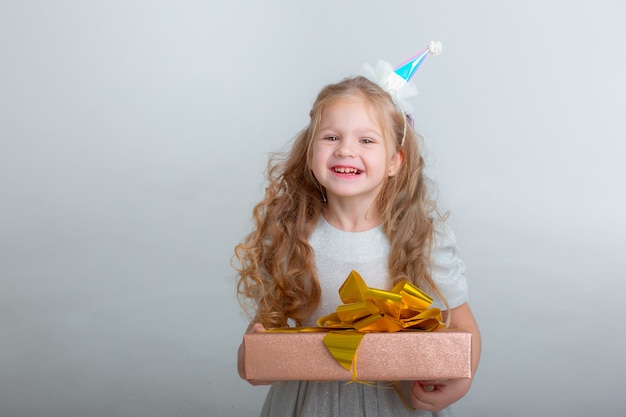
[(380, 356)]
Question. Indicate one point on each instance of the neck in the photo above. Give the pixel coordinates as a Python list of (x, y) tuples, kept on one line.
[(352, 218)]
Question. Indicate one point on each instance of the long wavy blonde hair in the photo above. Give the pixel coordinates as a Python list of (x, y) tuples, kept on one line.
[(277, 278)]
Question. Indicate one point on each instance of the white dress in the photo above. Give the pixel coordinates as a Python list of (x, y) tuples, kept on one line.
[(336, 254)]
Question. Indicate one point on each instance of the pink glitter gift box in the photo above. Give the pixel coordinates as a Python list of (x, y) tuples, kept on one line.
[(381, 356)]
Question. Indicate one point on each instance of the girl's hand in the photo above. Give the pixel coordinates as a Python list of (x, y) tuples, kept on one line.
[(256, 328), (253, 328), (435, 395)]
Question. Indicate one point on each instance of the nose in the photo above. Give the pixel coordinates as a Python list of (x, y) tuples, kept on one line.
[(345, 149)]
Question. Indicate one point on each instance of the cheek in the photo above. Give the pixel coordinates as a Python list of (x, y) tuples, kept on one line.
[(316, 162), (318, 155)]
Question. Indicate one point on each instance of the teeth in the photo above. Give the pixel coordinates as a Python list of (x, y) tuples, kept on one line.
[(347, 170)]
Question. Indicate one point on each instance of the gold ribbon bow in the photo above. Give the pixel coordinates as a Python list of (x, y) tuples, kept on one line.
[(366, 309)]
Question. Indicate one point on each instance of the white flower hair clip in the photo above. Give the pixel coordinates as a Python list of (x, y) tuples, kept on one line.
[(397, 82)]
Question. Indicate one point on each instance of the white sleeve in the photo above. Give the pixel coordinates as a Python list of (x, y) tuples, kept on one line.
[(448, 270)]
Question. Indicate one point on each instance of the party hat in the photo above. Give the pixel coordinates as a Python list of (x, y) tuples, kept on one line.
[(403, 73), (398, 82)]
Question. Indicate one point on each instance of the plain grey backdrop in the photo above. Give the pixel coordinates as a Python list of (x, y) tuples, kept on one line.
[(133, 139)]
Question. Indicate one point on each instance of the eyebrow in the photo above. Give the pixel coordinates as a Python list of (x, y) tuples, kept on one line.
[(360, 132)]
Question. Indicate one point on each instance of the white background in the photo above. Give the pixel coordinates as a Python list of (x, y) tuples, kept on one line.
[(133, 139)]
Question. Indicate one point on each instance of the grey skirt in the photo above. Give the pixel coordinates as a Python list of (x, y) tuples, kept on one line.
[(343, 399)]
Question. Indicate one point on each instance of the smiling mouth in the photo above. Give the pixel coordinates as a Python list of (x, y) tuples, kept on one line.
[(346, 171)]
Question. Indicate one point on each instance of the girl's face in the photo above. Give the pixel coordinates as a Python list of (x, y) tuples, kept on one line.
[(349, 153)]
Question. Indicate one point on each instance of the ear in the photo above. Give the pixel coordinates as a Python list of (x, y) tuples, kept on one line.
[(396, 162)]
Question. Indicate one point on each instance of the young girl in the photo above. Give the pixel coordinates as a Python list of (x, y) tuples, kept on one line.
[(351, 195)]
